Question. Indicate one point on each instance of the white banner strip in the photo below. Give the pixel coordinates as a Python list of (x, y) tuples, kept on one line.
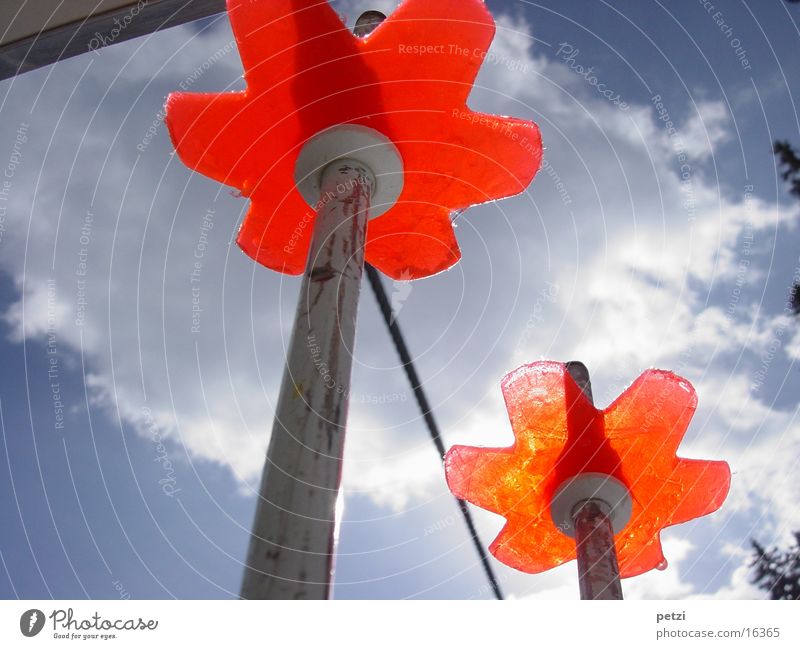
[(388, 624)]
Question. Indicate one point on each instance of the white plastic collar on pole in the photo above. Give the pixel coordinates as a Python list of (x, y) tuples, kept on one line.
[(591, 486), (369, 147)]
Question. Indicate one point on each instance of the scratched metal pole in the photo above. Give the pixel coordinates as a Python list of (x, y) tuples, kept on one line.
[(292, 543), (598, 571)]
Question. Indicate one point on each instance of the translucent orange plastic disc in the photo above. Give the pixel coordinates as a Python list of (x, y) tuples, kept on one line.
[(560, 434), (409, 80)]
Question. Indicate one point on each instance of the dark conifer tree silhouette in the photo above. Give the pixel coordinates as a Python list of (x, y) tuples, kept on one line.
[(777, 571), (794, 297), (789, 163), (789, 166)]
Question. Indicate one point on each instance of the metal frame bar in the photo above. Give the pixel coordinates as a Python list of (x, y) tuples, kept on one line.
[(75, 38)]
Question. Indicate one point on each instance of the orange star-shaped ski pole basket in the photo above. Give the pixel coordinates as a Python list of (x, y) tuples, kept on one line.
[(407, 82), (566, 453)]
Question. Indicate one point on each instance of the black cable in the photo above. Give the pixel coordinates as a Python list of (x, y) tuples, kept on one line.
[(427, 414)]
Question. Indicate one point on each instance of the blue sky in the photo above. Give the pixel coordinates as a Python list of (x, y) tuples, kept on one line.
[(139, 478)]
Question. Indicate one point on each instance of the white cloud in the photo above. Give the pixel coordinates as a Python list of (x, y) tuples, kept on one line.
[(708, 127), (793, 348)]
